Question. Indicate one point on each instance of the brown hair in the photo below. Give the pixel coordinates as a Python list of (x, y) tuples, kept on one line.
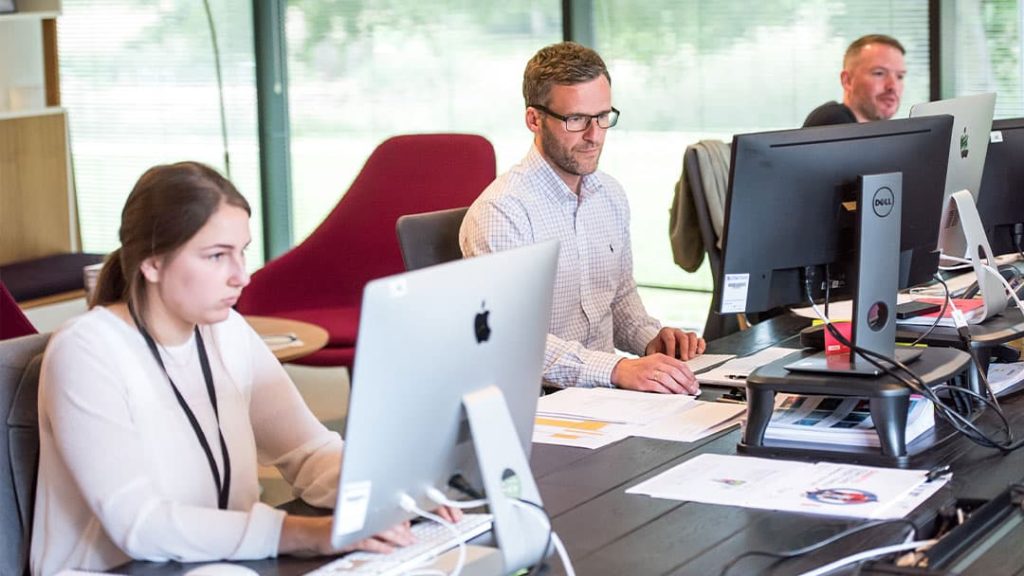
[(565, 63), (857, 45), (167, 206)]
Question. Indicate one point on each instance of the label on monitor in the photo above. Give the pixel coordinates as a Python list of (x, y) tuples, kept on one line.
[(734, 293), (996, 136), (355, 501)]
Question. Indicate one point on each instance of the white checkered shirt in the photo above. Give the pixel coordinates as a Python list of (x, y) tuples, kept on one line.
[(596, 307)]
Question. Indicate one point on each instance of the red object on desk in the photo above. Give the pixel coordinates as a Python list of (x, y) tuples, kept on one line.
[(964, 305), (834, 346)]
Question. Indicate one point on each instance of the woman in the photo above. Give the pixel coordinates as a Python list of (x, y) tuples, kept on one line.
[(157, 404)]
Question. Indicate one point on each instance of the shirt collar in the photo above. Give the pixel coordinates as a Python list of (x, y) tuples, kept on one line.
[(535, 162)]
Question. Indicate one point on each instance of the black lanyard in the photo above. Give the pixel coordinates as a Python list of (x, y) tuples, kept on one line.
[(223, 489)]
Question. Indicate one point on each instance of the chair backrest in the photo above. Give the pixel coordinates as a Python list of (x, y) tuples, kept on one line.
[(430, 238), (716, 324), (20, 359), (13, 322), (356, 243)]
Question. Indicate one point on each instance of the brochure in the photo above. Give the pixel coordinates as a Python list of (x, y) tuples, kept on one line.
[(834, 420), (771, 484), (1006, 379)]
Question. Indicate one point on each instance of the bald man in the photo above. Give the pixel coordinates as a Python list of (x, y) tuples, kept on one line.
[(872, 80)]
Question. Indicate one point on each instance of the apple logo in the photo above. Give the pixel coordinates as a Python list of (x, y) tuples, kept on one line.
[(483, 331), (964, 144)]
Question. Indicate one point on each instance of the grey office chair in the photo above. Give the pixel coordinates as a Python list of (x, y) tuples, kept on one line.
[(20, 359), (430, 238)]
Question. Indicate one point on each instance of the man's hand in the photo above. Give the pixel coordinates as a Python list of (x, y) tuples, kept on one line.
[(676, 343), (655, 373)]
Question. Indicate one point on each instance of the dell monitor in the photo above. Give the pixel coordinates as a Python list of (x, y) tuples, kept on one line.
[(436, 347), (790, 205), (792, 215), (1001, 197)]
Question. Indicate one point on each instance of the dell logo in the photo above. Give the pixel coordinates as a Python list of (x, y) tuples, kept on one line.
[(883, 201)]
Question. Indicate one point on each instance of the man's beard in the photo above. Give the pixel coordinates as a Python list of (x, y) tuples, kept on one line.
[(563, 157)]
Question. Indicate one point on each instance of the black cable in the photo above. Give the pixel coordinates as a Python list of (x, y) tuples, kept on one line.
[(459, 482), (786, 555), (942, 312), (960, 423)]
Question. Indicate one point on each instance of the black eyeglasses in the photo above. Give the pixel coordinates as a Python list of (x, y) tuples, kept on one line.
[(580, 122)]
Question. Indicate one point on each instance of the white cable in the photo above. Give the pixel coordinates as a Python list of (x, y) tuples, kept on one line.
[(1006, 284), (563, 554), (866, 555), (440, 499), (409, 505)]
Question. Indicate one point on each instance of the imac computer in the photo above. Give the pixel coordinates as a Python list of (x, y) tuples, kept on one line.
[(961, 235), (447, 374), (794, 212), (1001, 198)]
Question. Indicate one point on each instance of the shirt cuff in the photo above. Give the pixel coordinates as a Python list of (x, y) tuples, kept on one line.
[(263, 533), (597, 369)]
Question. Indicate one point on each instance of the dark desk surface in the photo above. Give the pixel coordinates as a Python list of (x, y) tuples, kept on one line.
[(607, 531)]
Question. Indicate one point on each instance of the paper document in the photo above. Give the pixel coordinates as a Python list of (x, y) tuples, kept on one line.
[(595, 417), (575, 432), (705, 361), (735, 371), (1006, 378), (611, 405), (694, 423), (281, 341), (841, 310), (824, 488), (839, 420)]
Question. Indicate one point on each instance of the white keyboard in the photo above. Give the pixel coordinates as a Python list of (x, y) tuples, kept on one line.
[(432, 540)]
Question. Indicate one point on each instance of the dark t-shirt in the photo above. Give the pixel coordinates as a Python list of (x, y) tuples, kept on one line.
[(830, 113)]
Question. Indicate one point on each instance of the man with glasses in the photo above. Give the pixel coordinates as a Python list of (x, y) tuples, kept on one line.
[(872, 80), (556, 192)]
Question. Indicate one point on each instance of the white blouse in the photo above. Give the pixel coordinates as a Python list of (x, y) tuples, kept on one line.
[(121, 473)]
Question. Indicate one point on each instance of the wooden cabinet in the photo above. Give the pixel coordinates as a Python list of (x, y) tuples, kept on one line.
[(37, 204)]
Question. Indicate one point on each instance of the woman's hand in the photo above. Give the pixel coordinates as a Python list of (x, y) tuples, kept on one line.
[(311, 536)]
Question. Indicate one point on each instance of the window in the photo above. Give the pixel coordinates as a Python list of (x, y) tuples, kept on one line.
[(982, 52), (686, 71), (139, 81), (361, 71)]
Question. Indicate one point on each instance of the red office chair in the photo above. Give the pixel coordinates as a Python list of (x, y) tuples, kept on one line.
[(13, 322), (321, 280)]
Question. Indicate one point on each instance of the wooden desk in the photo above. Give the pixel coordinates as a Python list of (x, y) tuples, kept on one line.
[(312, 336), (609, 532)]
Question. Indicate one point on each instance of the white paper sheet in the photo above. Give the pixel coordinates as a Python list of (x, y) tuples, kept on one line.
[(705, 361), (823, 488), (1005, 378), (702, 419), (735, 371), (611, 405), (842, 310), (578, 433)]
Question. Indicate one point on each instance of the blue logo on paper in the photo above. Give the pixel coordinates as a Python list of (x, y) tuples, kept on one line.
[(841, 496)]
